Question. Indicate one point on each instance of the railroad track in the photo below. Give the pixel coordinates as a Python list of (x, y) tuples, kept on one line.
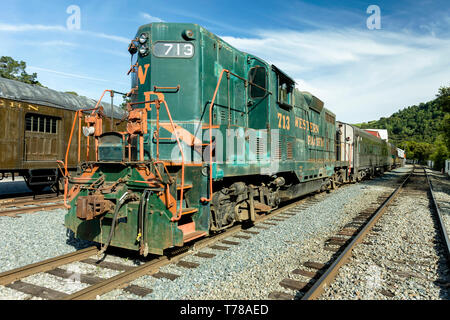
[(343, 245), (441, 225), (14, 206), (98, 286), (8, 198)]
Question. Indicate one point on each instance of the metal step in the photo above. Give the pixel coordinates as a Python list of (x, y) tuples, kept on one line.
[(186, 186), (193, 235), (189, 211)]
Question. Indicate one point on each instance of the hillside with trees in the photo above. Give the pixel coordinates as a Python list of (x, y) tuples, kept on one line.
[(423, 130)]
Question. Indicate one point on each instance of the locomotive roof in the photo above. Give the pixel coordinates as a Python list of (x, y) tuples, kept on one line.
[(19, 91)]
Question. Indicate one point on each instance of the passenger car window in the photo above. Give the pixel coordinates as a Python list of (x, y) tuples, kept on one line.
[(41, 123)]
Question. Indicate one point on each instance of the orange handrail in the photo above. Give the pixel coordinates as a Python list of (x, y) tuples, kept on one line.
[(58, 162), (78, 117), (180, 212), (211, 126), (157, 102), (210, 137), (70, 142), (65, 163)]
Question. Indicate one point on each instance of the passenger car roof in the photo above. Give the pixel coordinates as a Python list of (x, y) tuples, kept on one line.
[(19, 91)]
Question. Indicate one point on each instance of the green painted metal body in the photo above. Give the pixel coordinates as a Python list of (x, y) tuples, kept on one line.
[(189, 106), (305, 148)]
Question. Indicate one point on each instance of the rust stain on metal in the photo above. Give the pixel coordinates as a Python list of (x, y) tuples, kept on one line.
[(89, 207)]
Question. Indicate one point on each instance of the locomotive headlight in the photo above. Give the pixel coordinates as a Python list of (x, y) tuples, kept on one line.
[(188, 34), (143, 38), (88, 131), (143, 50)]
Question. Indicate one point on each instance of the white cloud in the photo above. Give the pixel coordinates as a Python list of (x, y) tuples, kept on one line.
[(106, 36), (39, 27), (151, 18), (360, 75), (71, 75), (52, 43), (30, 27)]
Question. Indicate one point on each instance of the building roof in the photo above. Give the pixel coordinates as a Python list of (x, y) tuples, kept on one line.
[(374, 133), (382, 132)]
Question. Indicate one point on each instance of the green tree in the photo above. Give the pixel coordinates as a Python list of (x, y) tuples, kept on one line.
[(15, 70), (422, 130), (443, 98), (417, 150), (440, 153), (126, 100)]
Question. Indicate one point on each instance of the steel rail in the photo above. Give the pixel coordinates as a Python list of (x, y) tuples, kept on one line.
[(441, 225), (328, 276), (149, 268), (13, 212), (124, 278), (42, 266), (16, 202)]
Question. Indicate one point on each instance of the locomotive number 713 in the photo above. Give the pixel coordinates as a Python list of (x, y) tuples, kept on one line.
[(283, 121)]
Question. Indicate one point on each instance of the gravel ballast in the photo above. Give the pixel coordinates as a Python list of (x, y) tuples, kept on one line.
[(441, 190), (29, 238), (255, 267), (400, 260), (250, 270)]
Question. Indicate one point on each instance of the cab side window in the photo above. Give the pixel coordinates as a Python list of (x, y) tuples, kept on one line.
[(257, 76), (285, 89), (284, 92)]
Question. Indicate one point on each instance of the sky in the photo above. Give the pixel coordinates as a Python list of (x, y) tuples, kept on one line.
[(364, 59)]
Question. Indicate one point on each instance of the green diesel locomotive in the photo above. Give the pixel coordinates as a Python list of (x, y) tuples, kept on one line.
[(214, 136)]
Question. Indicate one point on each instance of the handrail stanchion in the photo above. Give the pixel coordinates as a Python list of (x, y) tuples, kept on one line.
[(210, 124)]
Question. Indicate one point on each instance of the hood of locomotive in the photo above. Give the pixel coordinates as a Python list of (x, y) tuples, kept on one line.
[(172, 61), (190, 58)]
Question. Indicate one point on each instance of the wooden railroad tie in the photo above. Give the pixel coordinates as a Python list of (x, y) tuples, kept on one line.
[(188, 264), (205, 255), (278, 295), (293, 284), (166, 275)]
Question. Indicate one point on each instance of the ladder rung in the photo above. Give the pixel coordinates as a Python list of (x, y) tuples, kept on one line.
[(206, 127), (189, 210), (186, 186), (193, 235)]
